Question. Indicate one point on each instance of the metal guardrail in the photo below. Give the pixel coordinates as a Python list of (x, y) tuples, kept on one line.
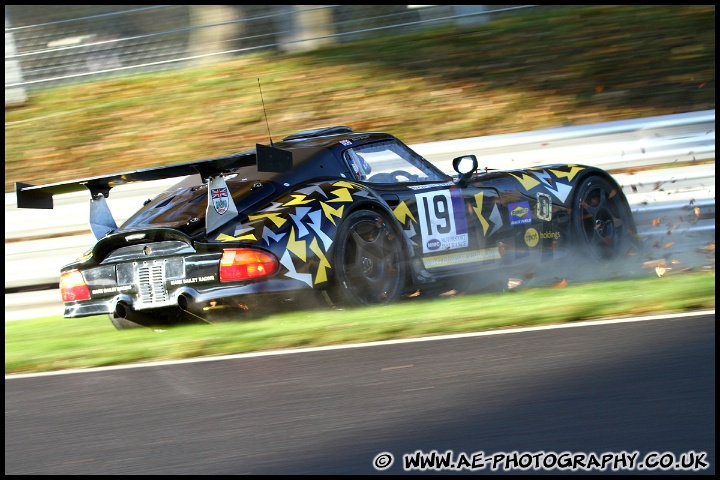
[(39, 242)]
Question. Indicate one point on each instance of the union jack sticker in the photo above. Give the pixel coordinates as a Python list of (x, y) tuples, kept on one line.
[(220, 199)]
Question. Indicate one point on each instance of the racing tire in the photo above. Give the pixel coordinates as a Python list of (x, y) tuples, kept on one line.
[(602, 220), (368, 266)]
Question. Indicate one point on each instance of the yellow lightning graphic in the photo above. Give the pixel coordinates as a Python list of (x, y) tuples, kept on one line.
[(345, 184), (342, 194), (527, 181), (402, 212), (324, 264), (478, 212), (228, 238), (329, 211), (273, 217), (298, 200), (296, 246), (574, 170)]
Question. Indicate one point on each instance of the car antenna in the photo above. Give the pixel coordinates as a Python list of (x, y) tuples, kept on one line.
[(265, 112)]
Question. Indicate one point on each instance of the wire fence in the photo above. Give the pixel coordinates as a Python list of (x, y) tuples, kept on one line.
[(50, 45)]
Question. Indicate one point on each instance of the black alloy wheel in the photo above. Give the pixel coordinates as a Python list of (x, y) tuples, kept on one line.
[(368, 266), (602, 219)]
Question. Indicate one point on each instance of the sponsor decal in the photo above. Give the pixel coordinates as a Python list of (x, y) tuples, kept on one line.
[(220, 199), (345, 142), (122, 288), (462, 257), (553, 235), (531, 237), (184, 281), (433, 244), (519, 213)]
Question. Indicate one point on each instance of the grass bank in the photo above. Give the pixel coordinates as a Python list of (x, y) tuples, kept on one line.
[(55, 343), (570, 66)]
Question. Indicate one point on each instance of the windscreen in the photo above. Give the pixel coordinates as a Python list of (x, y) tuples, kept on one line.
[(390, 162)]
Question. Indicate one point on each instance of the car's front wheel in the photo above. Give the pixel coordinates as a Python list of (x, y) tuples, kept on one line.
[(602, 219), (368, 267)]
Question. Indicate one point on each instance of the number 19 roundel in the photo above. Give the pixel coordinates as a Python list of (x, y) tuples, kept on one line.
[(442, 220)]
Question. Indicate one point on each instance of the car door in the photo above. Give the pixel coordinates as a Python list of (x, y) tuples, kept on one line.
[(457, 226)]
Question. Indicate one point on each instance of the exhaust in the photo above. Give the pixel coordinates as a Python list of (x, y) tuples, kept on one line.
[(125, 311), (184, 301)]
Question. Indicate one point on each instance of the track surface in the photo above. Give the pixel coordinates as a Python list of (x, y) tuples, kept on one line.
[(646, 386)]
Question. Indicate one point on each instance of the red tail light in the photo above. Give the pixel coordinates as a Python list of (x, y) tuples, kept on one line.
[(245, 264), (73, 286)]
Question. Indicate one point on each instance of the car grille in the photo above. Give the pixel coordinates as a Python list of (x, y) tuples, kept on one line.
[(151, 284)]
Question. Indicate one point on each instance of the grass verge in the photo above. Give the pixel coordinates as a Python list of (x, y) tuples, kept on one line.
[(54, 343)]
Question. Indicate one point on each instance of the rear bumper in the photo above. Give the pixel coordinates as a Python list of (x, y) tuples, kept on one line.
[(199, 301)]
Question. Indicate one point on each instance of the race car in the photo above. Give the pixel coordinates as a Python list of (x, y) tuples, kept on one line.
[(345, 217)]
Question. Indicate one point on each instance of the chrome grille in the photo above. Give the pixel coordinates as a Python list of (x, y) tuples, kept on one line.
[(151, 283)]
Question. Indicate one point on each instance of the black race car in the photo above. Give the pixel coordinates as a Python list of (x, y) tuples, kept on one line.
[(351, 218)]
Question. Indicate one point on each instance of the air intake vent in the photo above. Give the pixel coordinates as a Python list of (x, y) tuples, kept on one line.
[(162, 204), (151, 284)]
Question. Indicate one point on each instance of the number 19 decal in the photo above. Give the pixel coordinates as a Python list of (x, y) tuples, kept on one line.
[(442, 220)]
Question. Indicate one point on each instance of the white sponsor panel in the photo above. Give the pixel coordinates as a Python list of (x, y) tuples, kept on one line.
[(442, 220)]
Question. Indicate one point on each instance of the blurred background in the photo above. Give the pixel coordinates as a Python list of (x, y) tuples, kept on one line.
[(94, 89), (56, 44)]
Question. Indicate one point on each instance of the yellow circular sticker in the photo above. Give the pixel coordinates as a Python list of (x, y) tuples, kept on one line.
[(531, 237)]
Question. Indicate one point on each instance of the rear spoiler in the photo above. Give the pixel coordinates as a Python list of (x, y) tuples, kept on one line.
[(220, 208)]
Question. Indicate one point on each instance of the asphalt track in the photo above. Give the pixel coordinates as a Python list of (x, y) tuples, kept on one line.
[(591, 388)]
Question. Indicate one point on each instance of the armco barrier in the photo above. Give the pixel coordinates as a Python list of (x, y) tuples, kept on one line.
[(39, 242)]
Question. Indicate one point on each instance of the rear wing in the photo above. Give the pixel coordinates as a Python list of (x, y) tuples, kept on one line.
[(220, 207)]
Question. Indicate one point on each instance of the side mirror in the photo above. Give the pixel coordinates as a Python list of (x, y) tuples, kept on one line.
[(465, 166)]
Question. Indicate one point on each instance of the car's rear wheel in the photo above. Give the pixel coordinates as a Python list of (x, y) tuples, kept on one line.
[(368, 267), (602, 219)]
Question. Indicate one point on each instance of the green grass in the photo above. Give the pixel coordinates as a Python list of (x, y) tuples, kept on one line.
[(569, 66), (55, 343)]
